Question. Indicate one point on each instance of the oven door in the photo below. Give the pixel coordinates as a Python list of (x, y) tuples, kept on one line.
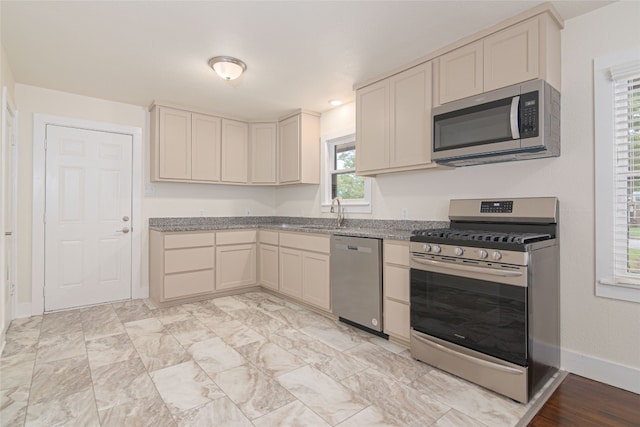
[(477, 312)]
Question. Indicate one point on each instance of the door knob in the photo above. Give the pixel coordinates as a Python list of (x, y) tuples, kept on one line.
[(125, 218), (124, 230)]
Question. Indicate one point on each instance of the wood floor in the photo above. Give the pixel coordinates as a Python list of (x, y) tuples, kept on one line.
[(582, 402)]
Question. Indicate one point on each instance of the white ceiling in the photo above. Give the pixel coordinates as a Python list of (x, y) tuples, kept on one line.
[(299, 54)]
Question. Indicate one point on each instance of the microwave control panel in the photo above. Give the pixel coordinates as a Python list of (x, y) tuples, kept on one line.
[(529, 115)]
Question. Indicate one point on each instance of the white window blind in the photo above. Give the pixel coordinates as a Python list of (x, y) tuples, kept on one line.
[(626, 145)]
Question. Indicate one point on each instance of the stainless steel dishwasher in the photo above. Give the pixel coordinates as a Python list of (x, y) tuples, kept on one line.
[(356, 281)]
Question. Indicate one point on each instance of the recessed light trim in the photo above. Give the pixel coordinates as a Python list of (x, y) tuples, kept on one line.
[(335, 102), (227, 67)]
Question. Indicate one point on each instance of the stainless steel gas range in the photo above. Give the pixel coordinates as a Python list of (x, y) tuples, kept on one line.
[(485, 294)]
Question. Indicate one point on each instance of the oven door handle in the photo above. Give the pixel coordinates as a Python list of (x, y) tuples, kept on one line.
[(475, 360), (469, 268)]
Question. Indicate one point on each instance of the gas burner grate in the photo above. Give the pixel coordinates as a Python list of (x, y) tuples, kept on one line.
[(482, 236)]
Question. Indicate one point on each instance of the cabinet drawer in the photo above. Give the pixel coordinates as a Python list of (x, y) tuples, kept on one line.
[(396, 283), (188, 240), (307, 242), (396, 319), (396, 252), (269, 237), (178, 260), (235, 237), (188, 284)]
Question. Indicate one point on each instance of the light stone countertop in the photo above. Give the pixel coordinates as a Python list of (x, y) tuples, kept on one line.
[(379, 229)]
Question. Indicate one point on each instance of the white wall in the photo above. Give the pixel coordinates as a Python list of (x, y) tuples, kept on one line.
[(169, 199), (594, 331)]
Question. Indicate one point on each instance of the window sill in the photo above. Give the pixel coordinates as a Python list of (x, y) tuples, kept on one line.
[(606, 289), (351, 207)]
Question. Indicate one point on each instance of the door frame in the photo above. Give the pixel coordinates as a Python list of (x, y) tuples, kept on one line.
[(9, 109), (40, 122)]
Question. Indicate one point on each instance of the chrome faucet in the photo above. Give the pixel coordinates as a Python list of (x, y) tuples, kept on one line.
[(339, 212)]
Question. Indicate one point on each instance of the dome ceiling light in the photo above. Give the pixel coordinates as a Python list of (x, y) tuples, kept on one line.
[(227, 67)]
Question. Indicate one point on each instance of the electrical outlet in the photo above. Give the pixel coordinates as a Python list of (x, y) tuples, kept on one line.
[(149, 190), (201, 212), (405, 213), (247, 211)]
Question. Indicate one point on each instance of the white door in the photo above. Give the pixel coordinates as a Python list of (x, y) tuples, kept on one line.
[(88, 217)]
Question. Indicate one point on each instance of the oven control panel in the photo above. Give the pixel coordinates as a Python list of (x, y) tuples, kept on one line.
[(502, 206), (470, 254)]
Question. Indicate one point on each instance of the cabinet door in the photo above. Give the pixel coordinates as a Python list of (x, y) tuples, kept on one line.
[(205, 147), (268, 266), (291, 272), (316, 289), (512, 55), (460, 73), (372, 127), (235, 151), (396, 319), (174, 144), (289, 150), (263, 153), (410, 124), (235, 266)]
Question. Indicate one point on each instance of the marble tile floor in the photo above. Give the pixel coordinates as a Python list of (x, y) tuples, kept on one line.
[(246, 360)]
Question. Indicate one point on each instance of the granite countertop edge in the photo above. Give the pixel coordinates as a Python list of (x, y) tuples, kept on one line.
[(379, 229)]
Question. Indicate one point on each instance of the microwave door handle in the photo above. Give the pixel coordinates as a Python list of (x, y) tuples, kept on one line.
[(513, 117)]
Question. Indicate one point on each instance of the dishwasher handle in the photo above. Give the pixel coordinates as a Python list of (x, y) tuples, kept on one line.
[(353, 248)]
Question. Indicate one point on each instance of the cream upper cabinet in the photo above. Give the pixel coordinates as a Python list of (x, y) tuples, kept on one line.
[(372, 127), (393, 123), (205, 147), (235, 151), (410, 125), (174, 144), (511, 56), (186, 145), (299, 149), (524, 51), (461, 72), (263, 153)]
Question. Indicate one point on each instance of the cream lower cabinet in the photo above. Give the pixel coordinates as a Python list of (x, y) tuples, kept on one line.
[(235, 259), (181, 265), (396, 304), (268, 267), (305, 268)]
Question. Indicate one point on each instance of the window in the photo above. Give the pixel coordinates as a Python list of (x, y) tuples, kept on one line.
[(617, 124), (340, 179)]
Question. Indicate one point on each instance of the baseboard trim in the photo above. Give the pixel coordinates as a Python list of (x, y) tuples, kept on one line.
[(24, 310), (140, 293), (624, 377)]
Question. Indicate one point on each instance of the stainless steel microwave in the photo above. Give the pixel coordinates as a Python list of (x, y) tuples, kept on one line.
[(514, 123)]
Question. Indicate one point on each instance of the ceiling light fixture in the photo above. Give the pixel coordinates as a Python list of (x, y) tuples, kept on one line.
[(227, 67), (335, 102)]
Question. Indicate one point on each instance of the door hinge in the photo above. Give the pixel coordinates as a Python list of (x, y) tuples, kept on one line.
[(44, 218), (45, 145)]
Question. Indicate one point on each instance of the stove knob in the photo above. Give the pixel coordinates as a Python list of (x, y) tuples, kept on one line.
[(496, 255), (436, 249), (458, 251), (426, 248), (483, 254)]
